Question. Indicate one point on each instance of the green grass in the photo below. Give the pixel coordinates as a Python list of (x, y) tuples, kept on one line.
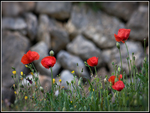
[(134, 97)]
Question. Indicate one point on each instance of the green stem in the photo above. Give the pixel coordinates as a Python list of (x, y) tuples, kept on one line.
[(90, 71), (52, 80), (95, 70), (121, 63), (128, 56)]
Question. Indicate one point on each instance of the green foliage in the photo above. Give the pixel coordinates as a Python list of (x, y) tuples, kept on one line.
[(134, 97)]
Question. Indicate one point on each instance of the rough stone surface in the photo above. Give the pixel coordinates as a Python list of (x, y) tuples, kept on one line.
[(59, 39), (138, 24), (84, 48), (14, 46), (66, 75), (58, 10), (69, 61), (16, 8), (8, 96), (98, 27), (43, 30), (13, 23), (126, 7), (32, 24)]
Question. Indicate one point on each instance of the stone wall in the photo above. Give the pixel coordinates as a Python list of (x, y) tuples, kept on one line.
[(75, 32)]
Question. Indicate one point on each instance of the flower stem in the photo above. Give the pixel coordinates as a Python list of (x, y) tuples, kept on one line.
[(52, 79), (95, 70), (128, 56), (121, 62)]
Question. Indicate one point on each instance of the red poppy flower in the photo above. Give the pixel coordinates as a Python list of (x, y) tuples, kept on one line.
[(48, 61), (119, 85), (123, 35), (93, 61), (112, 78), (29, 57)]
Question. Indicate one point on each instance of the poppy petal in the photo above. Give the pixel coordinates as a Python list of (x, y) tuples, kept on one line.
[(118, 39), (93, 61)]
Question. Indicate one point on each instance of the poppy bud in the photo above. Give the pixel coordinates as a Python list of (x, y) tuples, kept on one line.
[(51, 53), (118, 45), (105, 80), (119, 69), (41, 89)]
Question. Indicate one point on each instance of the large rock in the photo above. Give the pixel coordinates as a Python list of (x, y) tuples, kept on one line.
[(138, 24), (14, 46), (16, 8), (58, 10), (84, 48), (13, 23), (96, 26), (43, 30), (32, 24), (125, 9), (67, 76), (8, 96), (69, 61), (59, 39), (102, 33)]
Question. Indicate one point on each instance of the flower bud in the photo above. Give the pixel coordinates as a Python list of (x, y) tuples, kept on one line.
[(41, 89), (134, 58), (119, 69), (51, 53), (118, 45), (105, 80), (113, 63)]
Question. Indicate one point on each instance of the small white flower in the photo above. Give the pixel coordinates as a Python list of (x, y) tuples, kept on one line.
[(56, 93)]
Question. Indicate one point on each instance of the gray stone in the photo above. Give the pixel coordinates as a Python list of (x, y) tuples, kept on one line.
[(16, 8), (8, 96), (32, 25), (13, 23), (59, 39), (58, 10), (66, 75), (106, 53), (122, 10), (84, 48), (96, 26), (14, 46), (43, 30), (69, 61), (102, 33), (138, 24)]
